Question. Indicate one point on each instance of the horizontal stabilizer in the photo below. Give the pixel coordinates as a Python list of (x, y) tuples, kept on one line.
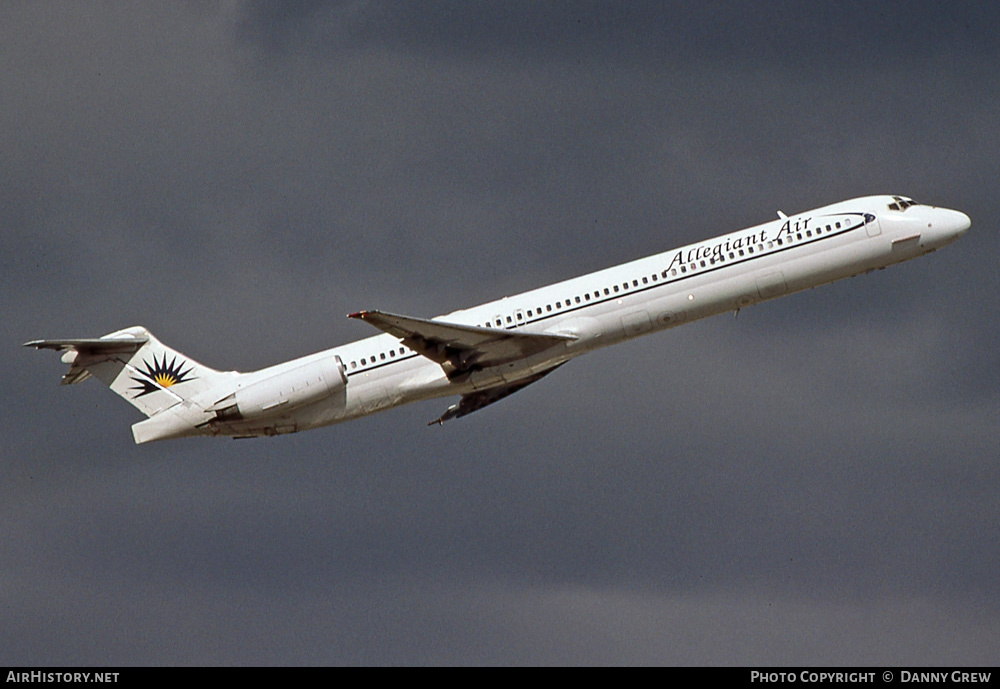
[(93, 344), (465, 347), (90, 348)]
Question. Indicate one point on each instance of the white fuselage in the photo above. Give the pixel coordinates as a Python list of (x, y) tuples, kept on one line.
[(682, 285)]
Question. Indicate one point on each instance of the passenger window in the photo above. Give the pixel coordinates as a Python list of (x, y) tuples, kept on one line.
[(363, 361), (645, 281), (616, 289), (382, 356), (578, 300), (354, 364), (635, 283), (548, 307)]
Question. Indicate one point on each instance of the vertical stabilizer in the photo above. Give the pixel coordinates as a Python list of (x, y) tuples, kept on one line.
[(137, 366)]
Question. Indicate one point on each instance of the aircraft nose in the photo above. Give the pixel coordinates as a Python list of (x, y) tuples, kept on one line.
[(945, 225), (960, 223)]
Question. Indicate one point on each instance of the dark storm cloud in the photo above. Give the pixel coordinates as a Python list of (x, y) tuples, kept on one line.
[(640, 33), (807, 483)]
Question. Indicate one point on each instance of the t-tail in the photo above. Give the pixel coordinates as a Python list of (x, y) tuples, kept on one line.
[(165, 385)]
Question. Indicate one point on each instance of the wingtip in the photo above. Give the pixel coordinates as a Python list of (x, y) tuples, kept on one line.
[(357, 314)]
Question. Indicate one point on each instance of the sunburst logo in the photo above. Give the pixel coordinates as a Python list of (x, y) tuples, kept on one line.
[(160, 375)]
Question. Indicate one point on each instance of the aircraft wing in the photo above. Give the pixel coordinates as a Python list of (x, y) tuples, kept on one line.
[(465, 347), (90, 350), (474, 401)]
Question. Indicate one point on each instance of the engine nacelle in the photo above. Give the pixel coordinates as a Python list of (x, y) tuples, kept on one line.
[(285, 390)]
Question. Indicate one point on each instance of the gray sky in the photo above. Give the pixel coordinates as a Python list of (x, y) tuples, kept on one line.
[(814, 482)]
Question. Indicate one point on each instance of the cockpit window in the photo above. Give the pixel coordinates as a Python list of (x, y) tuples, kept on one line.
[(901, 203)]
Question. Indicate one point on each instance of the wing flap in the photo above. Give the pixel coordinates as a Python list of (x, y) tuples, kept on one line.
[(474, 401), (464, 347)]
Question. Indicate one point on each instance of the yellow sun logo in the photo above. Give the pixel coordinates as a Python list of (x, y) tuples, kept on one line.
[(159, 374), (166, 379)]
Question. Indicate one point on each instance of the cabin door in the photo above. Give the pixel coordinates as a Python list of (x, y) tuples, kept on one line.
[(872, 226)]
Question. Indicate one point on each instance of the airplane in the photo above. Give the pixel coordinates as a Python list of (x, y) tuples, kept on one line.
[(488, 352)]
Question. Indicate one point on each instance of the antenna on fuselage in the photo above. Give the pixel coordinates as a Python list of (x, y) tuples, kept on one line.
[(782, 215)]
